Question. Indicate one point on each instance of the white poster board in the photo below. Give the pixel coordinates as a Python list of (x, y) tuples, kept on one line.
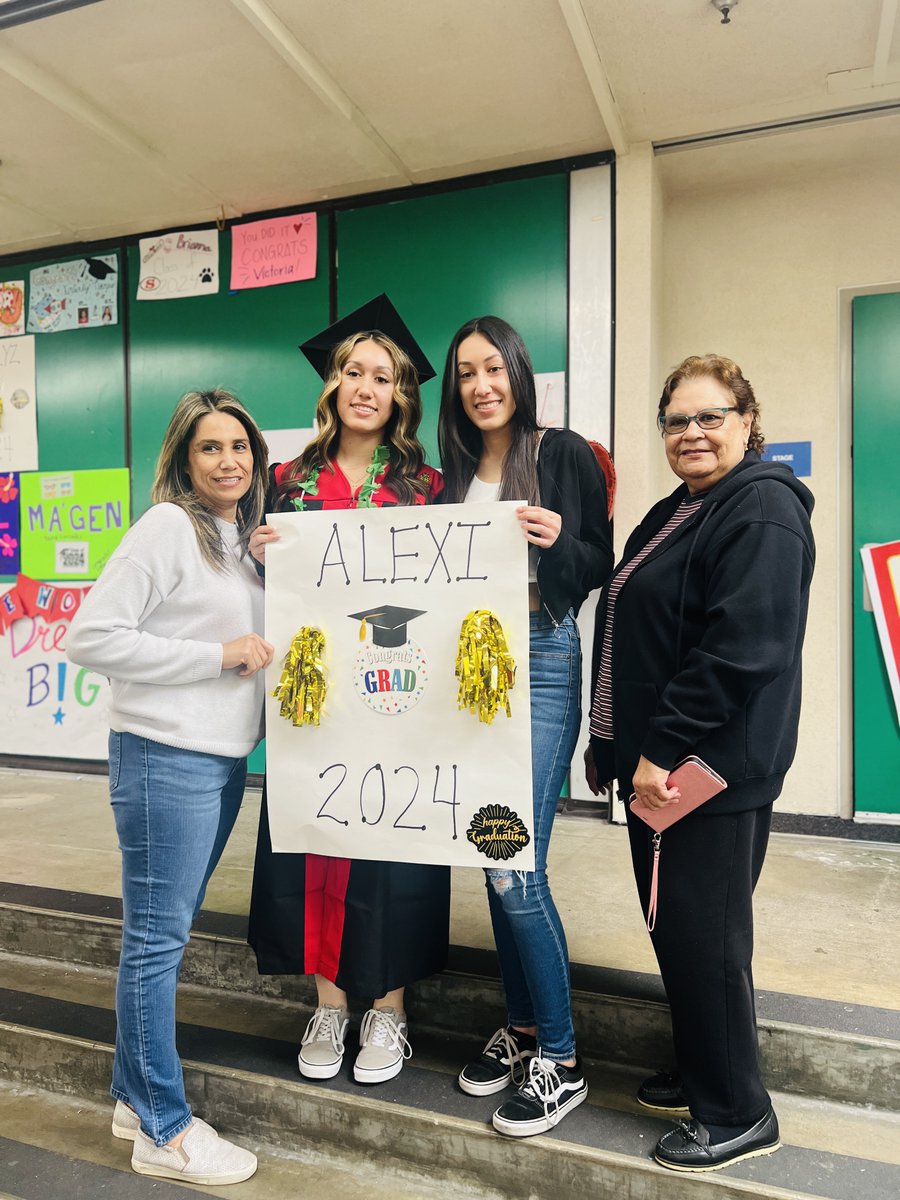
[(49, 707), (395, 771), (179, 264), (18, 408)]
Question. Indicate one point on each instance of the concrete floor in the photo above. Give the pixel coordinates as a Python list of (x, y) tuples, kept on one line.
[(826, 909)]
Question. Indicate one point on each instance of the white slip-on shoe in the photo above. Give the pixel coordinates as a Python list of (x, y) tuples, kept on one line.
[(125, 1122), (202, 1157), (322, 1046), (382, 1046)]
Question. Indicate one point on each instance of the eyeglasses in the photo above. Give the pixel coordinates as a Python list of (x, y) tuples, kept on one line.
[(708, 418)]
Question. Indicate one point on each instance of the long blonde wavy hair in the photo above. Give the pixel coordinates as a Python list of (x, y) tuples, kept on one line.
[(172, 483), (406, 455)]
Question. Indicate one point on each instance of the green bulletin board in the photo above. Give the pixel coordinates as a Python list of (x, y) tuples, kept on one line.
[(243, 341), (445, 258), (442, 257)]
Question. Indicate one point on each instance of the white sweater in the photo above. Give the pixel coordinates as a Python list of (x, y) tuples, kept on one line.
[(155, 622)]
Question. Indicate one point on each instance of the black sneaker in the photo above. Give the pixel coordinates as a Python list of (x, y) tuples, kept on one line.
[(504, 1060), (688, 1148), (663, 1093), (550, 1091)]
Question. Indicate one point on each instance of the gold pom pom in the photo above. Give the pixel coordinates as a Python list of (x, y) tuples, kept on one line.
[(484, 666), (302, 686)]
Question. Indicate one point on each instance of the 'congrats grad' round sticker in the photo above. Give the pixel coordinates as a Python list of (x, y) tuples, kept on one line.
[(390, 673)]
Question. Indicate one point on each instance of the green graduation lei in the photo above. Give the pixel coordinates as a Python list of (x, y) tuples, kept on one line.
[(310, 485)]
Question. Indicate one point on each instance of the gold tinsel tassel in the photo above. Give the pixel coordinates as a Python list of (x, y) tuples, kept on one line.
[(484, 666), (302, 686)]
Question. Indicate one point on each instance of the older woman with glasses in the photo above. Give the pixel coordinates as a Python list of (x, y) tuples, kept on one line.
[(697, 653)]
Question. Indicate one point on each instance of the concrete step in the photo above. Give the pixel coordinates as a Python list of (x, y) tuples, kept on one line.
[(845, 1053), (56, 1032), (59, 1148)]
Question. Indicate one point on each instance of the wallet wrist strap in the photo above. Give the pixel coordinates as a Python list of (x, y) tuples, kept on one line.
[(654, 884)]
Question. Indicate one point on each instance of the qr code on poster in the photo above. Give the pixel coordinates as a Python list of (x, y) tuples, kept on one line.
[(71, 558)]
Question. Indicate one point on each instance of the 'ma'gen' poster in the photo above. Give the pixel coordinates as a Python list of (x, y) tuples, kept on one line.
[(71, 521)]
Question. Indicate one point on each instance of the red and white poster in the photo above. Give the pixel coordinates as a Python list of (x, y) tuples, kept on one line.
[(49, 707), (882, 568)]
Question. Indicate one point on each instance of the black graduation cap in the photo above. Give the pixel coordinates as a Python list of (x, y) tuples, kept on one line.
[(388, 623), (378, 316), (98, 269)]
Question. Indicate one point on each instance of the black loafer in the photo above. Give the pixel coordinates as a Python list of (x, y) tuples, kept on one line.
[(663, 1093), (688, 1148)]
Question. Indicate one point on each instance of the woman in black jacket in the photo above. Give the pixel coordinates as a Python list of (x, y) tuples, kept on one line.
[(492, 449), (697, 652)]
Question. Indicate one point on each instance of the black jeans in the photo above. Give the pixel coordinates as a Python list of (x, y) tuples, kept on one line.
[(709, 865)]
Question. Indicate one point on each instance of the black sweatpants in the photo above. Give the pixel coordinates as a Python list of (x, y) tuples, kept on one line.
[(709, 865)]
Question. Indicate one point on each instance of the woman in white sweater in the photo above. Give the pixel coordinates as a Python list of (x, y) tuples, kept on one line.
[(175, 622)]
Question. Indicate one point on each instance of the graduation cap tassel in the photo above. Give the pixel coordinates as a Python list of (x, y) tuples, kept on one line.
[(302, 686), (484, 666)]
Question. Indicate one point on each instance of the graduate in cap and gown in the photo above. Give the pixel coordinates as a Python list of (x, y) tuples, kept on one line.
[(362, 928)]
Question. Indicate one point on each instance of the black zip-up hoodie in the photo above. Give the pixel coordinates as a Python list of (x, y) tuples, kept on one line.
[(708, 635), (571, 483)]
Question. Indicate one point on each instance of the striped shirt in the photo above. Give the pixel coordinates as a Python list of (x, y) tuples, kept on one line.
[(601, 704)]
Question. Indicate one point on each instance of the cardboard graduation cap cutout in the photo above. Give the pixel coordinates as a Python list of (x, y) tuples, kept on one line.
[(388, 623), (378, 316)]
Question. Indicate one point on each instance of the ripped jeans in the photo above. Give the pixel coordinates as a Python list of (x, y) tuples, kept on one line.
[(531, 942)]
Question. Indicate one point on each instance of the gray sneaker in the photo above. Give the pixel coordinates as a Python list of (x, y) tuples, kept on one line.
[(202, 1157), (125, 1122), (322, 1046), (382, 1046)]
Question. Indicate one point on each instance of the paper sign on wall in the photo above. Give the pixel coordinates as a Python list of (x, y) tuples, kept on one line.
[(882, 569), (9, 524), (550, 393), (796, 455), (395, 770), (18, 411), (72, 521), (280, 250), (12, 308), (175, 265), (285, 444), (74, 295), (48, 706)]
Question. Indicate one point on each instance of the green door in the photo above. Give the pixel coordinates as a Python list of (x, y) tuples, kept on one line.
[(876, 518)]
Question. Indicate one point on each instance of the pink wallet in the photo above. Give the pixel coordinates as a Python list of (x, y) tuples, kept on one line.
[(697, 783)]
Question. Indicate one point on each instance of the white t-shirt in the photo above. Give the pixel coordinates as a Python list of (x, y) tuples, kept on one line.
[(480, 492)]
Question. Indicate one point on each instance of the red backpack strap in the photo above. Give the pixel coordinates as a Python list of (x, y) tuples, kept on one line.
[(607, 466)]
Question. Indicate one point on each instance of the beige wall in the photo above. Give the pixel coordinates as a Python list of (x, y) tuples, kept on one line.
[(751, 268)]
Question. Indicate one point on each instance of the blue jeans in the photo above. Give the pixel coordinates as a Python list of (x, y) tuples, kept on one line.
[(174, 810), (531, 942)]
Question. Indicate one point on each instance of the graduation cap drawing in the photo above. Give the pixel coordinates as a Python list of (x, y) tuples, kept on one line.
[(388, 623), (378, 316), (98, 269)]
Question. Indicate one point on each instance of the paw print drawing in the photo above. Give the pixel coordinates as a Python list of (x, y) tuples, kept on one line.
[(206, 275)]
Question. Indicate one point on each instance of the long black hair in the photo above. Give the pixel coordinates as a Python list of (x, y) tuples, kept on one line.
[(460, 441)]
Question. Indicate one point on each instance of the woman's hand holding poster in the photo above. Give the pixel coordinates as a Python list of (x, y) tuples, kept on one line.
[(395, 770)]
